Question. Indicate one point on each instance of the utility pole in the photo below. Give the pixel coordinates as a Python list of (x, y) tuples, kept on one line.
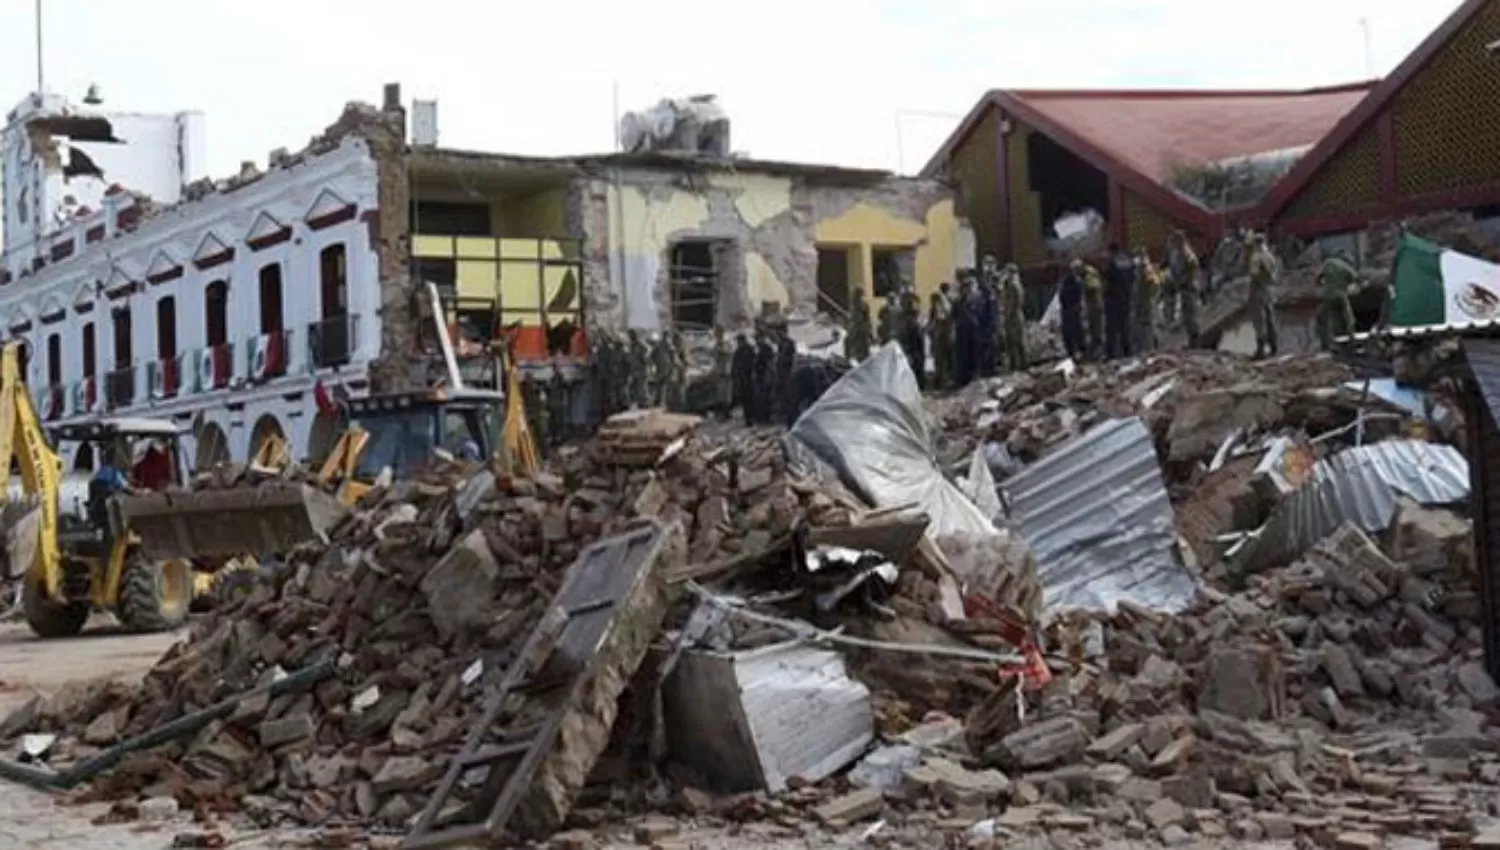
[(40, 80)]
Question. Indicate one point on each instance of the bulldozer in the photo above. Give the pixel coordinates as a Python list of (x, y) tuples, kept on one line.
[(77, 548), (396, 435)]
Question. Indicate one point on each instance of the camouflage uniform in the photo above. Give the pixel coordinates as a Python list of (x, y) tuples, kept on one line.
[(677, 375), (663, 361), (1187, 288), (1093, 309), (1013, 309), (1335, 316), (1147, 290), (723, 372), (857, 345), (1264, 269), (638, 371)]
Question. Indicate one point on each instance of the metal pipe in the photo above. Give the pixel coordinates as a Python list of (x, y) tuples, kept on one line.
[(184, 725), (40, 86)]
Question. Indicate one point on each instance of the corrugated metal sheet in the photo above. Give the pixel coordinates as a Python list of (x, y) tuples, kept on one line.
[(1362, 485), (1097, 517)]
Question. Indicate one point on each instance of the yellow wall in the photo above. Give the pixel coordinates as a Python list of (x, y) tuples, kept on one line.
[(539, 215), (507, 269), (653, 218), (866, 226)]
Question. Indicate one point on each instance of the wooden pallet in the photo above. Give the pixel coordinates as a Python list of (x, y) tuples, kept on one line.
[(548, 720)]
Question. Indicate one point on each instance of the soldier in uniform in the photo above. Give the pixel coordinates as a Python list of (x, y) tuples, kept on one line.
[(1070, 311), (940, 322), (662, 362), (857, 344), (559, 398), (965, 329), (677, 385), (1186, 272), (742, 369), (723, 373), (637, 369), (988, 317), (1119, 285), (1147, 291), (888, 319), (913, 341), (1093, 309), (1264, 270), (786, 362), (1335, 317), (764, 383), (1013, 308)]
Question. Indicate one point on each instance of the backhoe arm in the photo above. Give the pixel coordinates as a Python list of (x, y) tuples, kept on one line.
[(21, 438)]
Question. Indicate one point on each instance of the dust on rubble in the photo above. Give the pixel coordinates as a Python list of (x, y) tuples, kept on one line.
[(1334, 697)]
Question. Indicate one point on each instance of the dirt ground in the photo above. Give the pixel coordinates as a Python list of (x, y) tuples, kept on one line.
[(36, 820)]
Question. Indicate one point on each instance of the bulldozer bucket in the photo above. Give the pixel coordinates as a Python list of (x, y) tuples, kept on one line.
[(261, 519)]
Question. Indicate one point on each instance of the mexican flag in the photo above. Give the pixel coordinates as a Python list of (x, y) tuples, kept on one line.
[(1435, 286)]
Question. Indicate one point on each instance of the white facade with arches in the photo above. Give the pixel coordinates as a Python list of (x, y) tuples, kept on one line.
[(222, 312)]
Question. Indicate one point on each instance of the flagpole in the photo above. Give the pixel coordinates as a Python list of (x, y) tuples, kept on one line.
[(40, 87)]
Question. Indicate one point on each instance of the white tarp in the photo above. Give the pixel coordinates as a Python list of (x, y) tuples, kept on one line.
[(872, 429)]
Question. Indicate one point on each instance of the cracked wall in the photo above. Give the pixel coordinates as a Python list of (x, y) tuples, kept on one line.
[(771, 226)]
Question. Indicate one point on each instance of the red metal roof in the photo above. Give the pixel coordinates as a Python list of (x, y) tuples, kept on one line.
[(1152, 131), (1136, 135)]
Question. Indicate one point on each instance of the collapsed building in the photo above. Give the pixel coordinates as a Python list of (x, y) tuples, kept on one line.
[(1333, 167), (242, 306)]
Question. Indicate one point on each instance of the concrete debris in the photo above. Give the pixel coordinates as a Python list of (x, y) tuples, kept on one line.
[(1339, 699)]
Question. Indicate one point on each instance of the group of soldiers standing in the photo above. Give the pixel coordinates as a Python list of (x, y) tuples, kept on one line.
[(636, 372), (757, 375), (751, 374), (1113, 313), (976, 332)]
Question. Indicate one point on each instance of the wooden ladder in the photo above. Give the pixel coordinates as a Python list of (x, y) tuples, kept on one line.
[(553, 663)]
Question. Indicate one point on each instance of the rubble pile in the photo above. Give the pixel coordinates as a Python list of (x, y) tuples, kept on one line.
[(421, 599), (1190, 401), (1344, 694), (1337, 694)]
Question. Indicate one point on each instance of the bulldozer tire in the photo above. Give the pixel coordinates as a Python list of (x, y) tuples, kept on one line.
[(49, 619), (230, 586), (155, 595)]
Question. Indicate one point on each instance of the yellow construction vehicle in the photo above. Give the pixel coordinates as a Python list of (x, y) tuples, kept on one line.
[(397, 435), (78, 547)]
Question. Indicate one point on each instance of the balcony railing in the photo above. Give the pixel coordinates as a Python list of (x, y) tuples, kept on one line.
[(332, 341), (119, 387)]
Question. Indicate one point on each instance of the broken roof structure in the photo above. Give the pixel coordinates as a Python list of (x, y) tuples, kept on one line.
[(1308, 162), (1027, 157)]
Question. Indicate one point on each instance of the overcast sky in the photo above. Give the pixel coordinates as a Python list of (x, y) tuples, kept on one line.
[(815, 80)]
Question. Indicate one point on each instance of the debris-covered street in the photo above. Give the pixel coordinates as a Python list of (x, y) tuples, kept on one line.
[(1146, 632), (1123, 471)]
